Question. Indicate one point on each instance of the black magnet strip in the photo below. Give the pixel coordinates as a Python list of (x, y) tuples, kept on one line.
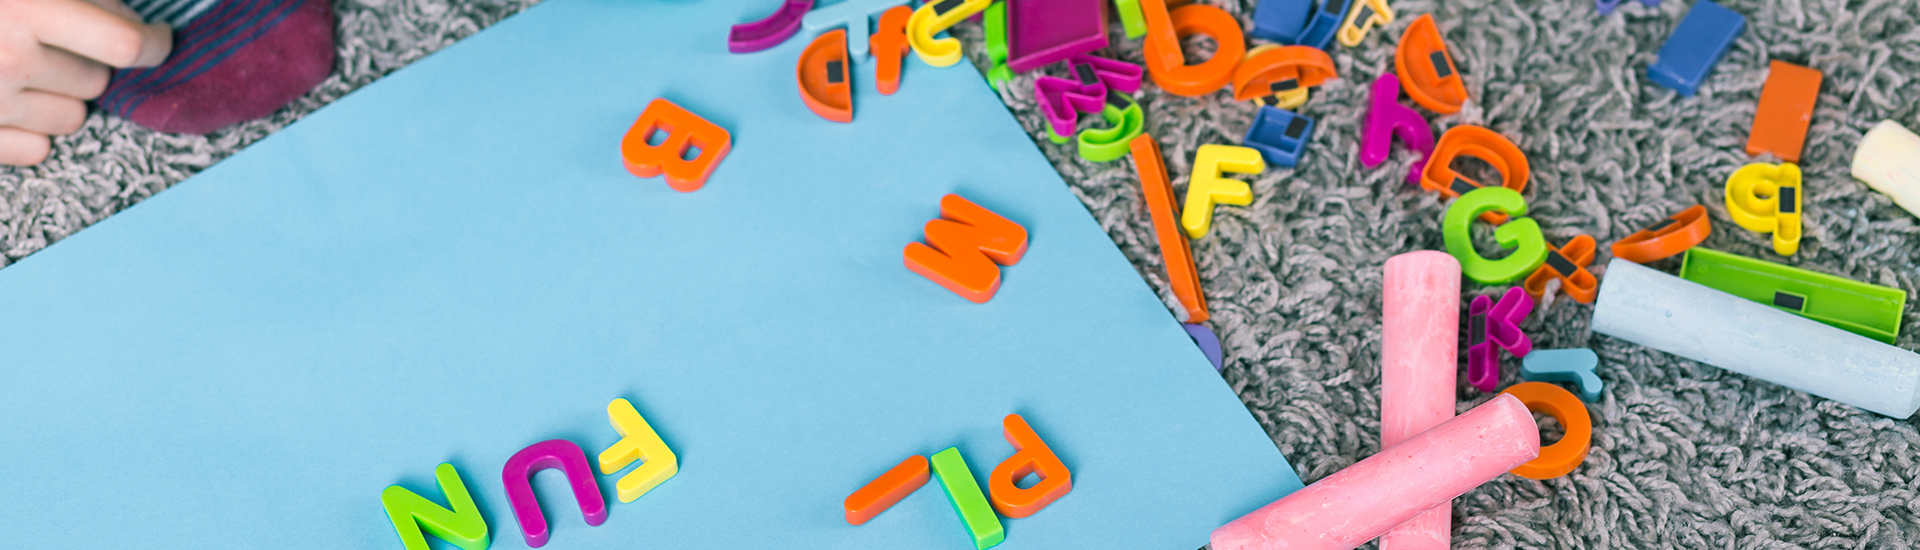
[(1086, 74), (1366, 12), (1296, 127), (1559, 263), (944, 7), (1789, 200), (835, 74), (1789, 301), (1476, 330), (1440, 65), (1461, 186), (1118, 101), (1284, 85), (1662, 225)]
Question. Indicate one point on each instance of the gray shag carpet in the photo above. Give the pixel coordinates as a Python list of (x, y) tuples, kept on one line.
[(1684, 455)]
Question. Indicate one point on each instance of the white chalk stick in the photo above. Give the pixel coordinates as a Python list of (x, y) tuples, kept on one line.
[(1888, 159), (1660, 311)]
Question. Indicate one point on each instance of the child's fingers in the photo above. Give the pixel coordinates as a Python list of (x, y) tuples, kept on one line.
[(42, 112), (22, 148), (97, 33), (62, 72)]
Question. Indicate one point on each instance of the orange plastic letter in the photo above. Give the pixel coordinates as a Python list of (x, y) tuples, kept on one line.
[(889, 46), (1174, 249), (1560, 458), (1168, 65), (888, 489), (1030, 456), (967, 241), (684, 132)]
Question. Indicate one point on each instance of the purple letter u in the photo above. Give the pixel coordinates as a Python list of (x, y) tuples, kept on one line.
[(552, 453)]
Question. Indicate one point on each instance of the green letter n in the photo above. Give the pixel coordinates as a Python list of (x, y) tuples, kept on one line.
[(462, 526)]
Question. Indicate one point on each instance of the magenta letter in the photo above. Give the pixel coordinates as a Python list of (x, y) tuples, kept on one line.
[(552, 453)]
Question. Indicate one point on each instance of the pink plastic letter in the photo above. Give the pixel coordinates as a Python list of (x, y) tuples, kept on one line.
[(1354, 505), (552, 453), (1386, 119), (1419, 347)]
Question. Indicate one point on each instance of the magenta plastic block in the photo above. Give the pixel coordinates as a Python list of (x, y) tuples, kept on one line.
[(1062, 101), (1496, 324), (1387, 119), (517, 476), (1044, 31), (769, 32), (1115, 74)]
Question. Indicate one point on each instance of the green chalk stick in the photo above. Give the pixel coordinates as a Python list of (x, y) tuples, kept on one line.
[(967, 499), (1865, 309)]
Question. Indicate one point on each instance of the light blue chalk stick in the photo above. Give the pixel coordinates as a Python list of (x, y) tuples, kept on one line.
[(1565, 365)]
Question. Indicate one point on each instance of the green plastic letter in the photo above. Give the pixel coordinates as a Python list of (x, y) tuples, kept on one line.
[(462, 526), (967, 499), (1113, 142), (996, 31), (1520, 234)]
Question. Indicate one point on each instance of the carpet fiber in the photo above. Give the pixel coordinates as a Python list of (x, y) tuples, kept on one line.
[(1684, 455)]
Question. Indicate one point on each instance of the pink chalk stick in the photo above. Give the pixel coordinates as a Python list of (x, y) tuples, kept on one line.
[(1363, 501), (1419, 348), (1387, 119), (769, 32), (517, 475)]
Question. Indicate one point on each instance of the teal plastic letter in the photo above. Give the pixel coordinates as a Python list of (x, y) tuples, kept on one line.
[(462, 526), (1520, 234)]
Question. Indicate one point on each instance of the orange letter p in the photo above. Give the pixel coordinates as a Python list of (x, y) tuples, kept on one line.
[(1030, 456)]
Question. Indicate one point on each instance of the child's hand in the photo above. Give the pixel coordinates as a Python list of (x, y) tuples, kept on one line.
[(55, 55)]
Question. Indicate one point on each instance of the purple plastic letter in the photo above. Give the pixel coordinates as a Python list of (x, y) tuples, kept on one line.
[(1208, 342), (1115, 74), (517, 475), (1063, 100), (1499, 325), (769, 32), (1386, 119)]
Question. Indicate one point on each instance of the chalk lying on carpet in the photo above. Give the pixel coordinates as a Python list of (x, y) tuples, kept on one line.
[(1419, 348), (1888, 159), (1660, 311), (1366, 499)]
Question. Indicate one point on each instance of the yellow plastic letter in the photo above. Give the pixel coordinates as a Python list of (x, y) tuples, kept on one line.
[(1206, 188), (637, 442)]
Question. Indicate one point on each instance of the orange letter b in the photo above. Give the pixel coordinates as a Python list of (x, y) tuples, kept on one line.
[(685, 131)]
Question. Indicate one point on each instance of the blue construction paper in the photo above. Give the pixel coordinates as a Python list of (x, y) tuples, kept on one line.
[(452, 264)]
